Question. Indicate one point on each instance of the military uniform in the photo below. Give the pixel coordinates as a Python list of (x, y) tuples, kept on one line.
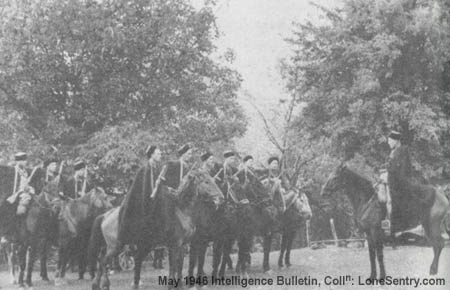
[(401, 178), (175, 171)]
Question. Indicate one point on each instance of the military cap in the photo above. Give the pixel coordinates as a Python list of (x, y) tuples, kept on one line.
[(20, 156), (272, 159), (205, 156), (150, 150), (228, 153), (79, 165), (395, 135), (248, 157), (48, 161), (183, 149)]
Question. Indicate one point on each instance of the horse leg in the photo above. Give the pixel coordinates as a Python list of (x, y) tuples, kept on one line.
[(173, 255), (433, 232), (82, 256), (371, 246), (43, 261), (30, 264), (228, 262), (290, 239), (380, 255), (22, 257), (228, 244), (63, 255), (12, 262), (267, 244), (201, 258), (193, 254), (141, 252), (180, 261), (217, 254), (98, 277), (282, 250), (244, 253)]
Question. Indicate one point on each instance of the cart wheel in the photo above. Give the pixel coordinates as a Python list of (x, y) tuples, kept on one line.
[(126, 262)]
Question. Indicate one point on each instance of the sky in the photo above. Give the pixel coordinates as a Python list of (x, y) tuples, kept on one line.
[(256, 31)]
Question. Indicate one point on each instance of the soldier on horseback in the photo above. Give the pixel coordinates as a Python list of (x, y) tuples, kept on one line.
[(384, 196), (208, 162), (78, 184), (144, 185), (176, 170), (22, 188), (401, 179), (246, 167)]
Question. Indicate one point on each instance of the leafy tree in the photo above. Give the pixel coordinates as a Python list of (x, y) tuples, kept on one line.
[(370, 67), (99, 78)]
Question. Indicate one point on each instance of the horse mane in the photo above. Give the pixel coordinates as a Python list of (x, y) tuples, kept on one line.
[(365, 183)]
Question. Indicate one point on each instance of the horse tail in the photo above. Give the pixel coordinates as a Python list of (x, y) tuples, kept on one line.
[(96, 241)]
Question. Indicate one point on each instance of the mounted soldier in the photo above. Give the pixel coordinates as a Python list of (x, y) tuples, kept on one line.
[(139, 194), (226, 176), (176, 170), (403, 185), (208, 162), (247, 167), (274, 176), (78, 184)]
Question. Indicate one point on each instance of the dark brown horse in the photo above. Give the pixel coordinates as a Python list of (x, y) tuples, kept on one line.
[(369, 214), (252, 212), (34, 229), (168, 222), (75, 221), (297, 211)]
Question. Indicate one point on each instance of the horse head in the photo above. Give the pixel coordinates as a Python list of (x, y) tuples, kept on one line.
[(198, 183), (301, 205), (334, 181), (98, 199)]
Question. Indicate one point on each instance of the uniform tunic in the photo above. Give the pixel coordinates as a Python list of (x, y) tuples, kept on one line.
[(401, 180), (175, 172), (137, 205)]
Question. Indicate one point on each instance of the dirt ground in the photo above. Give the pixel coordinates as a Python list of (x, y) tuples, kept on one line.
[(405, 262)]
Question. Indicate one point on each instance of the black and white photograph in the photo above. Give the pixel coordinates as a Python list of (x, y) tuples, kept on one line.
[(224, 144)]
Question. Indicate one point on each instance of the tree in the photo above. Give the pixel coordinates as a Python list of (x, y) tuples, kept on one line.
[(373, 66), (82, 71)]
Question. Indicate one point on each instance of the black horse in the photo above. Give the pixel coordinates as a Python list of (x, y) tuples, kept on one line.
[(369, 214), (251, 212), (34, 229), (167, 221), (297, 212)]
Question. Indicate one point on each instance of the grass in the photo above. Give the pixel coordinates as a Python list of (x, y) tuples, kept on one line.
[(412, 262)]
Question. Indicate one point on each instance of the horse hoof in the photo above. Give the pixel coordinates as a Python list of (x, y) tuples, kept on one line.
[(268, 272), (288, 265), (433, 271)]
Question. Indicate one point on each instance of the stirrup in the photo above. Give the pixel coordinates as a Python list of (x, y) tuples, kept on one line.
[(386, 226)]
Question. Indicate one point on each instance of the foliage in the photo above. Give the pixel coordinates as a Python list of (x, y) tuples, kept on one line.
[(104, 78), (370, 67)]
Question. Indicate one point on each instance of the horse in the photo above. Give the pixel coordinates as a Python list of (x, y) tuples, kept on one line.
[(168, 222), (251, 212), (75, 220), (369, 214), (34, 228), (296, 212), (207, 219)]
